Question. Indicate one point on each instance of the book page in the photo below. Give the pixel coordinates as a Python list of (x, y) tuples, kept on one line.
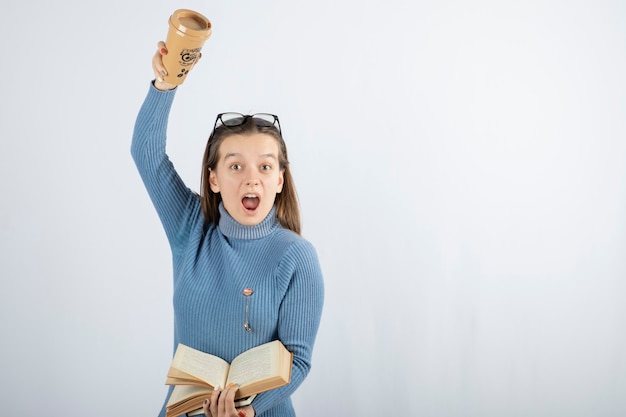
[(182, 392), (255, 364), (209, 368)]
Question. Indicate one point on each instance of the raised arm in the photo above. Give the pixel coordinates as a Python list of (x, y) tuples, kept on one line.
[(176, 205)]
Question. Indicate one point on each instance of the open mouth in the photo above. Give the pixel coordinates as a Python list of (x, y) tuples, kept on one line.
[(250, 201)]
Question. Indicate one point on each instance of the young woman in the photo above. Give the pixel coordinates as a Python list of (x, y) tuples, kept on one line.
[(243, 275)]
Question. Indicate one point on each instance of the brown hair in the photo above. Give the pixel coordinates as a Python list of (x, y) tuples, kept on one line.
[(287, 208)]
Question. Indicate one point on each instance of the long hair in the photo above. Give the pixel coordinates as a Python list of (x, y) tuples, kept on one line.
[(287, 207)]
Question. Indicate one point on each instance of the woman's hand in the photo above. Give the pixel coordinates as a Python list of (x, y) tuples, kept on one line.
[(222, 404), (159, 68)]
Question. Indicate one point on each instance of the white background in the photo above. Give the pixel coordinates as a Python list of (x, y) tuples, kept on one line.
[(461, 168)]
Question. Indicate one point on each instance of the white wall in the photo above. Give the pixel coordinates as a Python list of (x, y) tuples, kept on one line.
[(461, 168)]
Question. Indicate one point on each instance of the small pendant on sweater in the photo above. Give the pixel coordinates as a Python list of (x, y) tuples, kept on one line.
[(247, 293)]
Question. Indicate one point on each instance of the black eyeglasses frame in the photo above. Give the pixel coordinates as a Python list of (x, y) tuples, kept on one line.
[(260, 119)]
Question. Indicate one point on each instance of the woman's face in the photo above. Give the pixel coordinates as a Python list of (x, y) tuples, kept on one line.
[(248, 176)]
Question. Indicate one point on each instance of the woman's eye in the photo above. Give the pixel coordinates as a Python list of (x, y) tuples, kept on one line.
[(266, 167), (235, 167)]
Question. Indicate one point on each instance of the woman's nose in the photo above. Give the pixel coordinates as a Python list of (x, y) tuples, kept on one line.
[(252, 181)]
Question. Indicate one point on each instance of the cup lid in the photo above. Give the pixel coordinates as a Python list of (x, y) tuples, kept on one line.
[(191, 23)]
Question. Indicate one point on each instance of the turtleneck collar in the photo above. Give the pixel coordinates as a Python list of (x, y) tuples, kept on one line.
[(233, 229)]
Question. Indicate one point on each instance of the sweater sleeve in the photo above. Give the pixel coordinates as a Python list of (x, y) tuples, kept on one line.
[(174, 202), (299, 319)]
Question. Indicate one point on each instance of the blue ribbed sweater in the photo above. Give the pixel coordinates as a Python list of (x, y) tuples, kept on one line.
[(213, 265)]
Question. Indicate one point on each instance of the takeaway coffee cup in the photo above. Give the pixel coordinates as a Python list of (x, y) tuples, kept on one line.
[(188, 30)]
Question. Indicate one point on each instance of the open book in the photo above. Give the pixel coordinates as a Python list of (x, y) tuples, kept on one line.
[(195, 374)]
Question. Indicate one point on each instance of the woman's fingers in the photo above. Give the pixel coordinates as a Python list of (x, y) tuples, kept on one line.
[(157, 61), (229, 393), (206, 408), (162, 48), (222, 403), (213, 406), (159, 69), (227, 398)]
